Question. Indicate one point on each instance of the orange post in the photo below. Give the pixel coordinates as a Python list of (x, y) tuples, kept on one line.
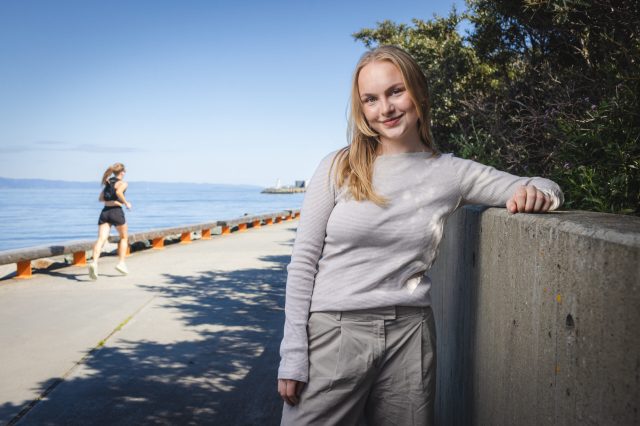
[(185, 238), (206, 234), (157, 243), (288, 217), (225, 230), (242, 227), (296, 215), (257, 224), (278, 219), (24, 269), (80, 258), (268, 221)]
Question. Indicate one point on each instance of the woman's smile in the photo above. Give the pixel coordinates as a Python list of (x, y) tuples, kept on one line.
[(393, 121)]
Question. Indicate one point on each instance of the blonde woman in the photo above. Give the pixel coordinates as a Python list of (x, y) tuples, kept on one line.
[(359, 336), (112, 195)]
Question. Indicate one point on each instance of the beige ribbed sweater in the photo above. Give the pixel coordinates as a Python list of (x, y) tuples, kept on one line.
[(351, 255)]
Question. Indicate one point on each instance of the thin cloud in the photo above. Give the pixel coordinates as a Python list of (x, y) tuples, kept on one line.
[(65, 147), (14, 148), (102, 148), (51, 143)]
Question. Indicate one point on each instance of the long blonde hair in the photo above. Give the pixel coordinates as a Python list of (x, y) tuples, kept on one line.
[(114, 169), (355, 162)]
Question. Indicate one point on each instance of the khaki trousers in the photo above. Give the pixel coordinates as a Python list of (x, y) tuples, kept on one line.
[(373, 367)]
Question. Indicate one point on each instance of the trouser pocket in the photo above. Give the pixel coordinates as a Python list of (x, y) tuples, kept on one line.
[(324, 332), (340, 352), (428, 352)]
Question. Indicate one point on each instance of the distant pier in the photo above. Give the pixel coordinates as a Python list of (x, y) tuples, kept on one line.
[(297, 187), (284, 190)]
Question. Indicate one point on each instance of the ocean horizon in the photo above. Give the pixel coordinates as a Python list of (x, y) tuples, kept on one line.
[(6, 182), (37, 212)]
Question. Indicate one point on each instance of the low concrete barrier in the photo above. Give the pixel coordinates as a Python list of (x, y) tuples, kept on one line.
[(23, 257), (537, 319)]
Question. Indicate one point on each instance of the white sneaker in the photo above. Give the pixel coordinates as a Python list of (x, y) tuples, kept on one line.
[(93, 271), (122, 268)]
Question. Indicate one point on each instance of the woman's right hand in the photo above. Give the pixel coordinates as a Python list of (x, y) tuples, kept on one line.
[(529, 199), (290, 390)]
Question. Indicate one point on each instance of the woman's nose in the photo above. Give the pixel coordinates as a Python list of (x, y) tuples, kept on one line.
[(387, 106)]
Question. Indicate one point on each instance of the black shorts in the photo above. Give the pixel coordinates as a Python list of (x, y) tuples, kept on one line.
[(112, 215)]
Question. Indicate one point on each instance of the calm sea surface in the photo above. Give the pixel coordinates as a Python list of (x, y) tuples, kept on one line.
[(37, 214)]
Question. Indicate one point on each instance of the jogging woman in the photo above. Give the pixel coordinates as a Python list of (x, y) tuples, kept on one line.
[(112, 195)]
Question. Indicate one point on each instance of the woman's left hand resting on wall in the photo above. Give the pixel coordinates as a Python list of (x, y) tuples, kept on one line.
[(529, 199)]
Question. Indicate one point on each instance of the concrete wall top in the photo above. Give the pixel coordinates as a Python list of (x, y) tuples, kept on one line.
[(617, 229)]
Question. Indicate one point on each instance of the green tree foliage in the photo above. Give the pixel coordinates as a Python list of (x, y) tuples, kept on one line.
[(537, 87)]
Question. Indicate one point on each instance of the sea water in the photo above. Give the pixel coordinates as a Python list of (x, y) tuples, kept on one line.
[(45, 212)]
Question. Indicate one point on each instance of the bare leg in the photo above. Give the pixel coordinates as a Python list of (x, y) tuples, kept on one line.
[(103, 236), (124, 241)]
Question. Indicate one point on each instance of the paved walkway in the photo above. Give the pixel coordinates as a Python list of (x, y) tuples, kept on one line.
[(191, 336)]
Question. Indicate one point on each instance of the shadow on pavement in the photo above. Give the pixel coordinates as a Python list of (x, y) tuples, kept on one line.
[(224, 376)]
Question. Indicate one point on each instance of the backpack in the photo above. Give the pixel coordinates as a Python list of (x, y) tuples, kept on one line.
[(109, 191)]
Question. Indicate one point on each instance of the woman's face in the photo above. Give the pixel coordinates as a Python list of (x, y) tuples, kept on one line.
[(386, 103)]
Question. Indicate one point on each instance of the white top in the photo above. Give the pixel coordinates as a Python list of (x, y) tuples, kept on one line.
[(351, 255)]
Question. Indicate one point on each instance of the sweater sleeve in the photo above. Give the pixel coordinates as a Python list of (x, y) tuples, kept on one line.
[(480, 184), (317, 206)]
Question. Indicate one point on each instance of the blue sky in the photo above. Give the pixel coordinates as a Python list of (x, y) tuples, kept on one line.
[(240, 92)]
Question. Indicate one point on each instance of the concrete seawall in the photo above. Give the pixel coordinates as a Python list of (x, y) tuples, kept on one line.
[(538, 319)]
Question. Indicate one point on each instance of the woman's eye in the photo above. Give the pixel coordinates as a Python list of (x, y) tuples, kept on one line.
[(396, 91), (369, 100)]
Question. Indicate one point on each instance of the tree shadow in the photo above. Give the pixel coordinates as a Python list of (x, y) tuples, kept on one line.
[(224, 376)]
